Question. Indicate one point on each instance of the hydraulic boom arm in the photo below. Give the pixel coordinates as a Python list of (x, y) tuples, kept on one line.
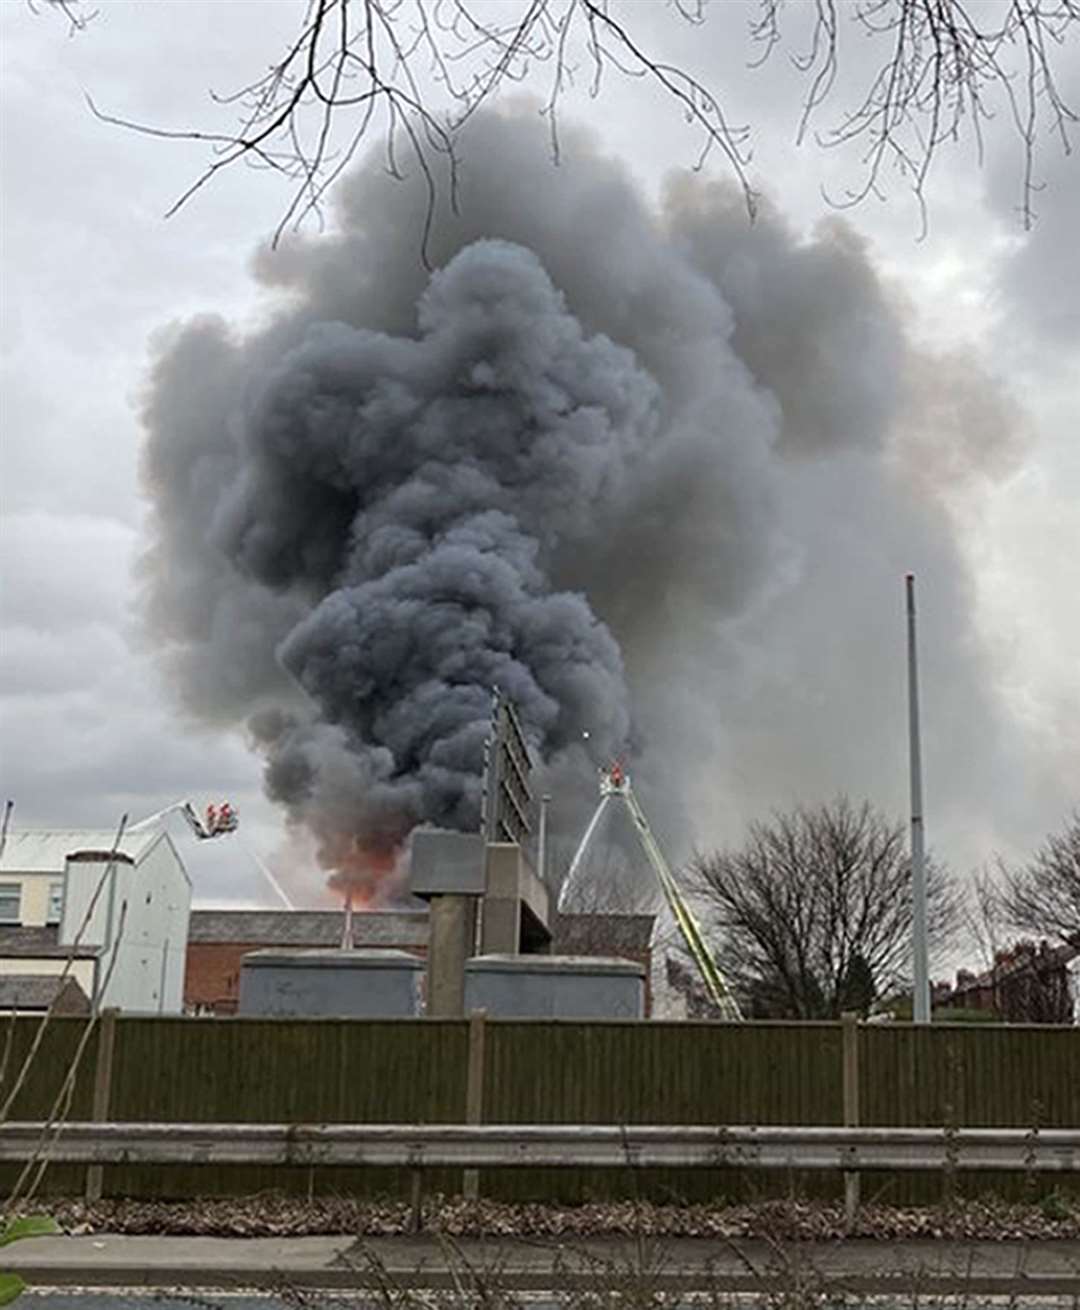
[(219, 820), (615, 783)]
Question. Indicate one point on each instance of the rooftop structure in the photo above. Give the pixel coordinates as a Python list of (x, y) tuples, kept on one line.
[(117, 910), (218, 941)]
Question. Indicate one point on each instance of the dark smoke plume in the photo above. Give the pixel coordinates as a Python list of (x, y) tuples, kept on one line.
[(652, 474)]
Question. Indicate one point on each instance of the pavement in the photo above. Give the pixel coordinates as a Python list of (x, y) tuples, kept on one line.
[(1035, 1270)]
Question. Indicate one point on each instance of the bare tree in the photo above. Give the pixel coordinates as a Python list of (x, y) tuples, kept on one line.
[(983, 915), (814, 912), (413, 72), (1042, 897)]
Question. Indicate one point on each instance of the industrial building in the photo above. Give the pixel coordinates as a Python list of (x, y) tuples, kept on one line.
[(219, 940)]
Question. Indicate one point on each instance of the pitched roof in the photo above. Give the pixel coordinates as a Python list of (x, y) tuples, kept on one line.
[(574, 934), (586, 934), (42, 943), (308, 927), (45, 850), (34, 991)]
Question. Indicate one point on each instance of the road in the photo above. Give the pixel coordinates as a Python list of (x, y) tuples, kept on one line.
[(71, 1299), (93, 1272)]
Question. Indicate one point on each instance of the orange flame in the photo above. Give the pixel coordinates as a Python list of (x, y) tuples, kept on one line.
[(366, 874)]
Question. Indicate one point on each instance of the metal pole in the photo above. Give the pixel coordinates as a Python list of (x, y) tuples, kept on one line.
[(921, 999), (347, 942), (852, 1180), (541, 853), (474, 1093)]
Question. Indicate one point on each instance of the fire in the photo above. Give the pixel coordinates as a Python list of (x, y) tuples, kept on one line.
[(365, 876)]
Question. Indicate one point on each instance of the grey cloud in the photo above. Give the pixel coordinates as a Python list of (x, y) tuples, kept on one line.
[(1041, 280), (1039, 269)]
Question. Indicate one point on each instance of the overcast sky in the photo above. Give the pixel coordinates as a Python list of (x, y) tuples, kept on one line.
[(92, 271)]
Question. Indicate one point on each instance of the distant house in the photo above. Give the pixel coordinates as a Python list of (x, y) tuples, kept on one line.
[(35, 952), (218, 940), (1027, 983), (115, 922)]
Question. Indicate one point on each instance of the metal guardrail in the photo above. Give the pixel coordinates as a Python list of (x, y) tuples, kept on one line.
[(428, 1146)]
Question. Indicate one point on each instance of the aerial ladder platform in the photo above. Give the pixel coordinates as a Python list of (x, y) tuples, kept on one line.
[(615, 789), (215, 821)]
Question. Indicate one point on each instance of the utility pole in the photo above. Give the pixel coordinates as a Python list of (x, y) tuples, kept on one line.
[(541, 854), (921, 999)]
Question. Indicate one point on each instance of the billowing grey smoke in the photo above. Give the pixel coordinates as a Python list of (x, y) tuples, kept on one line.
[(416, 491), (656, 475)]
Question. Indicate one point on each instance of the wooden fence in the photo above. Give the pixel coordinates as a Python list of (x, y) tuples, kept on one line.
[(537, 1071)]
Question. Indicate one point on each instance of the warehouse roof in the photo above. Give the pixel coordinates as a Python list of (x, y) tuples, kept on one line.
[(574, 934), (309, 927), (606, 934)]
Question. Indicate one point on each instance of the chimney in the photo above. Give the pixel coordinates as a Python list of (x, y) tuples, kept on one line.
[(347, 942)]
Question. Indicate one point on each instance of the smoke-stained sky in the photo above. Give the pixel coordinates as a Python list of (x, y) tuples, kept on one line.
[(819, 424)]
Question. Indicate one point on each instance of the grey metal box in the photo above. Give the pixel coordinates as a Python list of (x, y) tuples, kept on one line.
[(446, 863), (555, 987), (349, 984)]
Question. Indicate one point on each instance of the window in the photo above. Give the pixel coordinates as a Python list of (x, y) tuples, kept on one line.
[(10, 902), (56, 902)]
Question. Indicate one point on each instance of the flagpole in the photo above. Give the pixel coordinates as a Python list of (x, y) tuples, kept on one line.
[(921, 1000)]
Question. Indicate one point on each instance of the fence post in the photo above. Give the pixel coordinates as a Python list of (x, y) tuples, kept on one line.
[(850, 1030), (99, 1110), (474, 1092)]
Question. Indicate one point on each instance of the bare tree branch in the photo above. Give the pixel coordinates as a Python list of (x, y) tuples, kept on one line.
[(943, 66), (78, 19), (813, 913), (415, 71), (1042, 897)]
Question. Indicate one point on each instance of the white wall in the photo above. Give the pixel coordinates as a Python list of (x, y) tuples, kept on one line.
[(81, 880), (141, 922), (48, 965)]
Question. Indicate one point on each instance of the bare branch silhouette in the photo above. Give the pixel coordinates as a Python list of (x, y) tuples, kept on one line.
[(1042, 897), (813, 912), (413, 72)]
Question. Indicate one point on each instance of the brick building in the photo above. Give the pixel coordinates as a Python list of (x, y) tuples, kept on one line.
[(218, 940), (1028, 983)]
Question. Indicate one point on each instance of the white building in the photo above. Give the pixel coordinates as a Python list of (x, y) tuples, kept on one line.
[(118, 926)]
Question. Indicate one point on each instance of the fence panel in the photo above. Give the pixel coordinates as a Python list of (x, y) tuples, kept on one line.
[(45, 1075), (972, 1076), (540, 1071), (665, 1073), (283, 1071)]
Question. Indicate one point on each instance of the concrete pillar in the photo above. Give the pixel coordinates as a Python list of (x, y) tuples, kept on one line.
[(516, 910), (450, 943)]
